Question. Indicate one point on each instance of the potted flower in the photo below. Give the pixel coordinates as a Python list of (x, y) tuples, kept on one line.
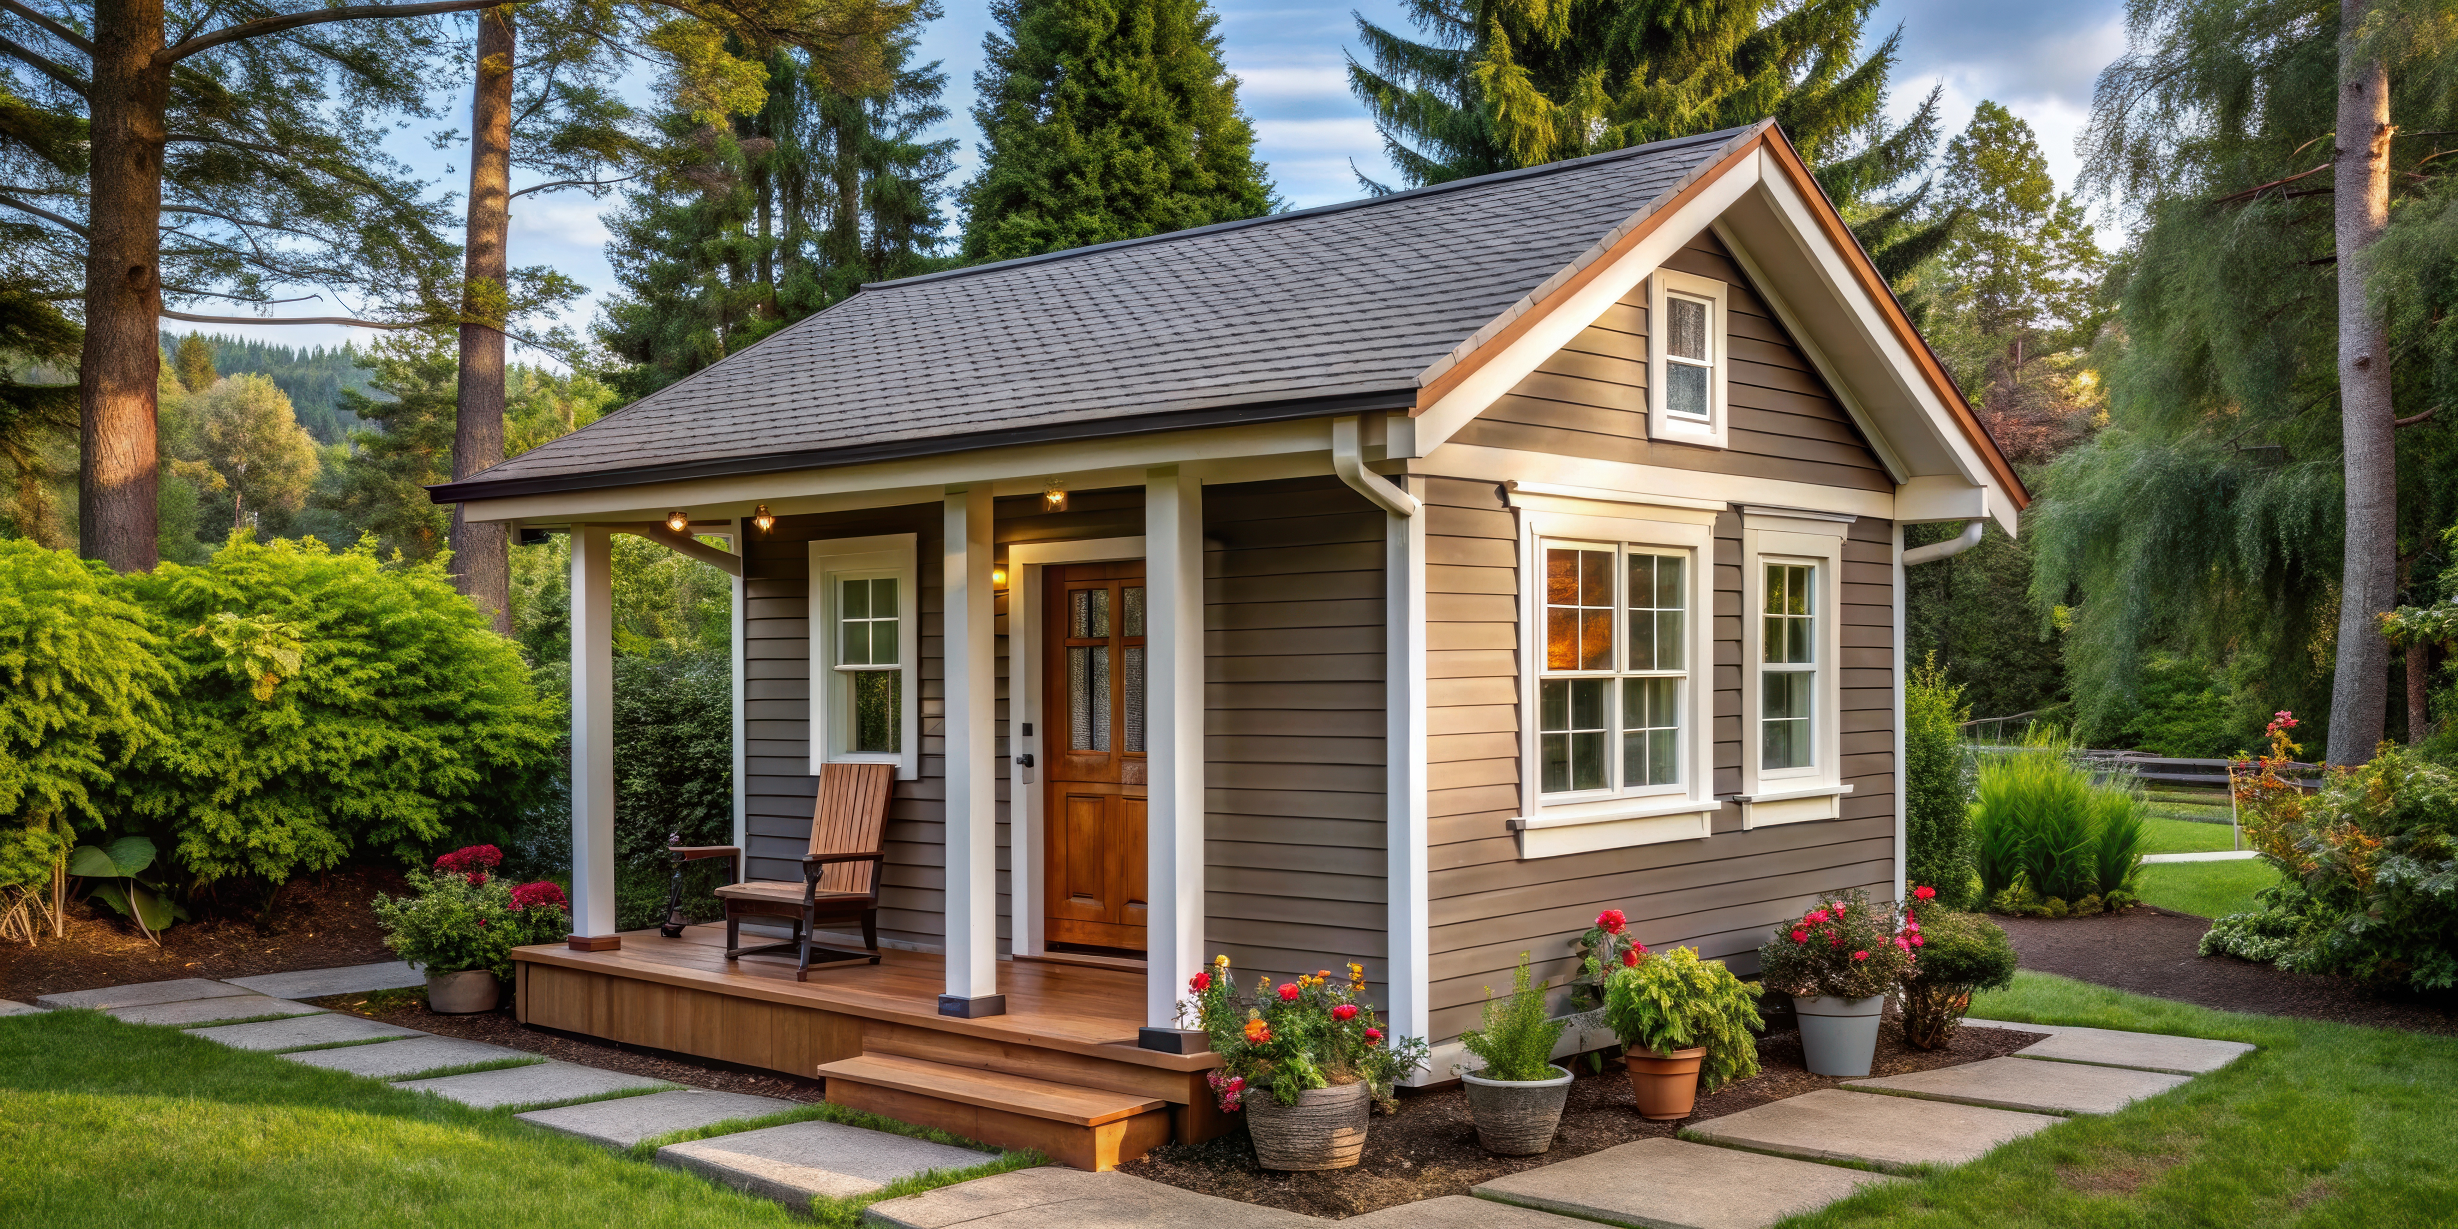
[(1607, 946), (1516, 1097), (1686, 1024), (1957, 954), (1303, 1059), (461, 922), (1837, 962)]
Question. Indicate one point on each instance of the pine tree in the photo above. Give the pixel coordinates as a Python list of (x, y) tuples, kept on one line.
[(1502, 84), (747, 227), (194, 363), (1105, 120), (381, 488)]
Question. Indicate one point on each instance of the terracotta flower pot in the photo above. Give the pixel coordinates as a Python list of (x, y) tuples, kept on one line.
[(1516, 1117), (464, 993), (1326, 1129), (1666, 1085)]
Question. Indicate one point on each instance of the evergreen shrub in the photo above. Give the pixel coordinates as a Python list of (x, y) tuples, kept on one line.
[(2045, 832), (1957, 954), (1673, 1000), (1518, 1035), (1937, 783)]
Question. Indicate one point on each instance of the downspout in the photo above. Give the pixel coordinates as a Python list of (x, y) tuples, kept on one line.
[(1348, 459), (1956, 545)]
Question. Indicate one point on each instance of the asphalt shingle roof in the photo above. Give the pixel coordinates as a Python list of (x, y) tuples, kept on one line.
[(1347, 299)]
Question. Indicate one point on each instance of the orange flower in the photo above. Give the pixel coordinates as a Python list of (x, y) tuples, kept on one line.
[(1258, 1032)]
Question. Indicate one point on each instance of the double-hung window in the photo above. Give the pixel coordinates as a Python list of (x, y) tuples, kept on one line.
[(1793, 689), (864, 665), (1611, 698), (1788, 668), (1685, 358)]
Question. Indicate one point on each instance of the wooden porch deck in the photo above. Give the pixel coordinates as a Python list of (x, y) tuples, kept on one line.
[(1051, 1073)]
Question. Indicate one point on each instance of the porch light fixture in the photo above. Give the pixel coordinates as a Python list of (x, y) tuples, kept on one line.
[(678, 520), (998, 578), (761, 520), (1054, 495)]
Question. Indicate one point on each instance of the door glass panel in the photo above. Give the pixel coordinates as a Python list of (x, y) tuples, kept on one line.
[(1100, 696), (1079, 614), (1079, 698), (1135, 610), (1135, 690), (1100, 613)]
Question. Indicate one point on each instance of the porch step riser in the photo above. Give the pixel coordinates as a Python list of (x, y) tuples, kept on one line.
[(1056, 1066), (1095, 1148)]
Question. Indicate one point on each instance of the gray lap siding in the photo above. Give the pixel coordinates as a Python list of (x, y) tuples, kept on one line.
[(1725, 893)]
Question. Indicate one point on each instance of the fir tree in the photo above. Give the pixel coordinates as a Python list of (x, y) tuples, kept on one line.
[(382, 487), (747, 227), (1105, 120), (1502, 84), (194, 363)]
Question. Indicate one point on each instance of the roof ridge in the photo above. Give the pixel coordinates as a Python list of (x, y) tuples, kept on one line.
[(1452, 185)]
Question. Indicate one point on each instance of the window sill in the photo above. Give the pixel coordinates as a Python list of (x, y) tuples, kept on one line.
[(1613, 824), (1769, 808)]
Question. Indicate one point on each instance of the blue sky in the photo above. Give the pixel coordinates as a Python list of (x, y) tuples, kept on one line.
[(2038, 58)]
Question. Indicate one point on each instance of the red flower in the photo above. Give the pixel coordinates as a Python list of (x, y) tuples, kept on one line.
[(1834, 940), (1611, 921), (1814, 919), (1800, 936), (1344, 1013), (1288, 992), (477, 877), (1373, 1035), (1917, 941), (1839, 911), (539, 893), (1860, 955), (1199, 982), (1923, 892), (1631, 958), (470, 858)]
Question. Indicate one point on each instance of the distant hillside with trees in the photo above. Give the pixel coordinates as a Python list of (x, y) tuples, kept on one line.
[(314, 378)]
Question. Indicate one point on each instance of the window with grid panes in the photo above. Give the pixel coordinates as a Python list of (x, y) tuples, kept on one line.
[(1788, 668), (1616, 658), (869, 663)]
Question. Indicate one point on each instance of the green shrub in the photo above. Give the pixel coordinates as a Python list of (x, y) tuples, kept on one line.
[(2187, 710), (2043, 825), (331, 705), (2372, 880), (1519, 1034), (1956, 955), (673, 755), (81, 670), (1674, 1000), (1937, 787), (463, 917)]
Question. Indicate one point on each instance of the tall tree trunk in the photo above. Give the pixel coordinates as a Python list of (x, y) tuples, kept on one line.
[(481, 555), (122, 359), (2359, 695)]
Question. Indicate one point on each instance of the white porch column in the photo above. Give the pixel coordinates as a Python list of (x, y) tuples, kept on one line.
[(969, 626), (1404, 833), (1173, 719), (593, 887)]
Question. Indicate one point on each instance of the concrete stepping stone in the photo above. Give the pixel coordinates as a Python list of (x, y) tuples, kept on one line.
[(1832, 1124), (1674, 1184), (2217, 855), (628, 1120), (2147, 1051), (11, 1007), (2049, 1029), (1054, 1198), (392, 1060), (348, 979), (199, 1011), (142, 994), (2029, 1084), (794, 1162), (536, 1084), (324, 1028), (1459, 1212)]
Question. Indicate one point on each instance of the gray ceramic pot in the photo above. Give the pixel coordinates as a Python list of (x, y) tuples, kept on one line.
[(1326, 1129), (464, 993), (1839, 1036), (1516, 1117)]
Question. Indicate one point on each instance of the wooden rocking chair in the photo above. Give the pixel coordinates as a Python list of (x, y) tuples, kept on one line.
[(840, 874)]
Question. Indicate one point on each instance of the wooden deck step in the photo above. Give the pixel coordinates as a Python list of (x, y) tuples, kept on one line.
[(1088, 1128)]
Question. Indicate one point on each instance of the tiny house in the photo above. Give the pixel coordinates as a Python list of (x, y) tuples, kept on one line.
[(1402, 581)]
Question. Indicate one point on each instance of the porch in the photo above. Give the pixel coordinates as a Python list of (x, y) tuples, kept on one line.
[(1059, 1070)]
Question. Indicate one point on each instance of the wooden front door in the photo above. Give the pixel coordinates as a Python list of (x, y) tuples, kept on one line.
[(1093, 801)]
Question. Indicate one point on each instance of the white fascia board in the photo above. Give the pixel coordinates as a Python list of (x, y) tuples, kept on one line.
[(1934, 498), (1561, 322), (1909, 387), (1214, 453), (1504, 464)]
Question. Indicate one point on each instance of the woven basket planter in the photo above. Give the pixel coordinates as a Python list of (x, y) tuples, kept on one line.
[(1326, 1129), (1516, 1117)]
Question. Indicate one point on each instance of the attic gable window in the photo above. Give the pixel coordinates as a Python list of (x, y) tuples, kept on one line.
[(1685, 359)]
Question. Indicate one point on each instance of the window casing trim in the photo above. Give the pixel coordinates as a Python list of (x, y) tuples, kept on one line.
[(1604, 819), (1662, 422), (1788, 795), (832, 560)]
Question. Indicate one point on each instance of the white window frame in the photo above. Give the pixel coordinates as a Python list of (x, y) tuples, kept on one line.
[(1662, 422), (1551, 825), (1771, 796), (837, 559)]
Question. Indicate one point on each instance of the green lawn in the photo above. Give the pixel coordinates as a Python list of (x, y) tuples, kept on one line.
[(2207, 889), (2328, 1125), (107, 1123), (2185, 836)]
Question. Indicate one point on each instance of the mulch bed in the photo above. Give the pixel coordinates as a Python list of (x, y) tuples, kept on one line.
[(318, 921), (1429, 1148), (408, 1008), (2152, 951)]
